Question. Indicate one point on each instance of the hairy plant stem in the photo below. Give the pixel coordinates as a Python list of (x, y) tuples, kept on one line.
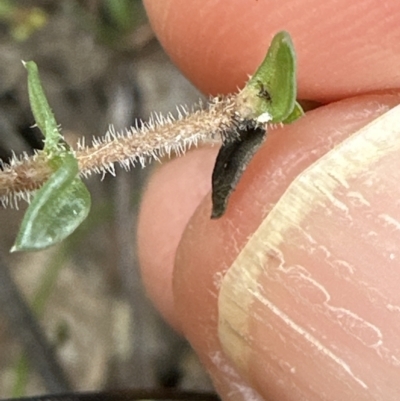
[(158, 137)]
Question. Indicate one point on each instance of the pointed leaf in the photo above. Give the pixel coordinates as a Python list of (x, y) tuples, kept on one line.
[(271, 92), (296, 113), (57, 209), (41, 110)]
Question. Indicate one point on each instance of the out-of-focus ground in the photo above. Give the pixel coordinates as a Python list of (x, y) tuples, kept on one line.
[(99, 66)]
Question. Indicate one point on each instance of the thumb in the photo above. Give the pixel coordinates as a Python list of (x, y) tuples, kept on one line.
[(298, 283)]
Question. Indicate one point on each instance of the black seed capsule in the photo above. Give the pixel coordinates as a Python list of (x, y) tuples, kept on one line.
[(232, 160)]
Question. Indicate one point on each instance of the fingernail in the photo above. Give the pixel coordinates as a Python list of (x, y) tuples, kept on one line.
[(310, 308)]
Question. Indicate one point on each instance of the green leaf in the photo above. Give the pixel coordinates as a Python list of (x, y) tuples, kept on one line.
[(271, 92), (57, 209), (296, 113), (41, 110)]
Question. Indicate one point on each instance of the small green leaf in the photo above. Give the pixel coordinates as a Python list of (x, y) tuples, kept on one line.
[(296, 113), (57, 209), (41, 110), (271, 92)]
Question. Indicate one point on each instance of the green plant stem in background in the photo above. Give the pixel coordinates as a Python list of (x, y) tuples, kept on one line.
[(47, 281)]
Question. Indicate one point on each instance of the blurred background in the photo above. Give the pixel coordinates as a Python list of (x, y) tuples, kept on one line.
[(75, 317)]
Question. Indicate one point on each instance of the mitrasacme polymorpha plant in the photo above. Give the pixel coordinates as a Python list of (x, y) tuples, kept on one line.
[(53, 176)]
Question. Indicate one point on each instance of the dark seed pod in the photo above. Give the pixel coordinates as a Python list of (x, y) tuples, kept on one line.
[(232, 160)]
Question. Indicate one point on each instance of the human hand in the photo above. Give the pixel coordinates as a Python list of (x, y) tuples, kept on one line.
[(310, 309)]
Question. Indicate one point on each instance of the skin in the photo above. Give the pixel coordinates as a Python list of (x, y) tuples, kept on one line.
[(348, 58)]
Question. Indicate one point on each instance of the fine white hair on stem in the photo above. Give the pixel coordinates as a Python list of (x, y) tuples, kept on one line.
[(158, 137)]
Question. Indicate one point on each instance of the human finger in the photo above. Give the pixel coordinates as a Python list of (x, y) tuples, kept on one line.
[(306, 306), (343, 49)]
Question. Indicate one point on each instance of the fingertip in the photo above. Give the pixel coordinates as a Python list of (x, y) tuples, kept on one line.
[(316, 278), (172, 194), (209, 248), (218, 44)]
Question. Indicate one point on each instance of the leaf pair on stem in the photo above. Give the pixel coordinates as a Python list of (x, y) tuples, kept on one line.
[(63, 202)]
